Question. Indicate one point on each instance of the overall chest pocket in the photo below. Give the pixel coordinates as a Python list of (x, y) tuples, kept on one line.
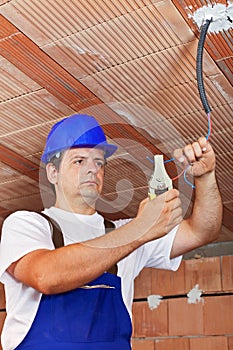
[(92, 314)]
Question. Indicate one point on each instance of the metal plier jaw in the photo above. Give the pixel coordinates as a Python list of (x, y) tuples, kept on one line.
[(159, 182)]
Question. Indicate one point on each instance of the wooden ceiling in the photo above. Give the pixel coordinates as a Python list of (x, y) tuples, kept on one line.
[(130, 63)]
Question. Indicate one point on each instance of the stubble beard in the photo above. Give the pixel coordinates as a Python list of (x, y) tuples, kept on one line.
[(89, 196)]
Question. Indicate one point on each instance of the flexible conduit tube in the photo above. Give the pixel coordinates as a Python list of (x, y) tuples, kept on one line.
[(199, 66)]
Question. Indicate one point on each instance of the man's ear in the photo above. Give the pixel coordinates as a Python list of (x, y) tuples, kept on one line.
[(51, 173)]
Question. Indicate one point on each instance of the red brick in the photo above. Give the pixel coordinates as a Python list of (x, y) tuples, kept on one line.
[(230, 343), (142, 344), (168, 282), (208, 343), (149, 323), (2, 297), (205, 272), (184, 318), (218, 315), (172, 343), (142, 284), (227, 273)]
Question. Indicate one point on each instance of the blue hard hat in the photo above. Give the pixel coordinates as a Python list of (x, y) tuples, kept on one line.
[(77, 130)]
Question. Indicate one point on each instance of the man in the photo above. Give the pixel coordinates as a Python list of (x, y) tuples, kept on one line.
[(65, 298)]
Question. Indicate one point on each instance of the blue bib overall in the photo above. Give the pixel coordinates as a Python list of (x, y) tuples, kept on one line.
[(90, 318)]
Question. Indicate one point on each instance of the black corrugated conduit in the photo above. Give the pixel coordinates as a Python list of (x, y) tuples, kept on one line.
[(199, 66)]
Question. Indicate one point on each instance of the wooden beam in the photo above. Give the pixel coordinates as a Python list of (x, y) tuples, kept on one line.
[(35, 63), (19, 163)]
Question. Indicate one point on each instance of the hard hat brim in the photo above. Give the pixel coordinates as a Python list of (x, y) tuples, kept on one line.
[(108, 149)]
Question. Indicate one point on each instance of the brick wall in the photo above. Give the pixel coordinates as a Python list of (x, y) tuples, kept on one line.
[(180, 322), (206, 324)]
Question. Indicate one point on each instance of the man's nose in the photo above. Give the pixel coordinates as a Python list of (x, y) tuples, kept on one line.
[(92, 166)]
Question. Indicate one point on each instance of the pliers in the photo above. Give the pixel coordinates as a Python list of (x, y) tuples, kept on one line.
[(159, 182)]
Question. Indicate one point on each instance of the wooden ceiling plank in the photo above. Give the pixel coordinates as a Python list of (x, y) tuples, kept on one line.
[(6, 28), (19, 163), (29, 58), (26, 56), (13, 159)]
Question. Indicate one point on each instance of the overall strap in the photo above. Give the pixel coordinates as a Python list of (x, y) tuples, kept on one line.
[(109, 226), (57, 235), (58, 239)]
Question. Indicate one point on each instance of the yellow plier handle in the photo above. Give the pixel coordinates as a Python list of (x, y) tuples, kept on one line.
[(159, 182)]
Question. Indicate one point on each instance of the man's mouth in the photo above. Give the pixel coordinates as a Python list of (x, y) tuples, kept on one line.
[(90, 182)]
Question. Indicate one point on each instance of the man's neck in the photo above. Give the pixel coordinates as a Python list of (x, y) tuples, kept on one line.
[(80, 208)]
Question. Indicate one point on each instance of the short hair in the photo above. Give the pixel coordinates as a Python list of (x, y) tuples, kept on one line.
[(56, 161)]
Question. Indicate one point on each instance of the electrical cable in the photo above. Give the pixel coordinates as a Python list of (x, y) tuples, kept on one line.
[(209, 126), (169, 160), (177, 177), (185, 177), (200, 85), (201, 89), (199, 66)]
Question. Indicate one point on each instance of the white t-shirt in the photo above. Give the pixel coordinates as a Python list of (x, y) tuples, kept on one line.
[(26, 231)]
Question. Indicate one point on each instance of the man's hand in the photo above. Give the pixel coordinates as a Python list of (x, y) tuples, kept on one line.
[(159, 215), (204, 224), (199, 155)]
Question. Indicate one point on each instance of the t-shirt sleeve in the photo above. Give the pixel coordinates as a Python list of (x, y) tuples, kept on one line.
[(23, 232)]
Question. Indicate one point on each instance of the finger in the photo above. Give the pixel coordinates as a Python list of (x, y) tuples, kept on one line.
[(144, 201), (173, 207), (177, 203), (171, 195), (178, 154), (178, 210), (174, 222), (203, 143), (197, 150), (176, 215), (189, 153)]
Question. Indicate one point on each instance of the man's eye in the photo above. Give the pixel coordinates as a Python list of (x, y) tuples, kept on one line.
[(79, 161), (100, 163)]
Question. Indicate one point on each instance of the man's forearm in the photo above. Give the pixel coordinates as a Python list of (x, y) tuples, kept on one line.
[(206, 218), (204, 224), (69, 267)]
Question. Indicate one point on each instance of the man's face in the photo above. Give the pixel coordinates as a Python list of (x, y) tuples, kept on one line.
[(80, 176)]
